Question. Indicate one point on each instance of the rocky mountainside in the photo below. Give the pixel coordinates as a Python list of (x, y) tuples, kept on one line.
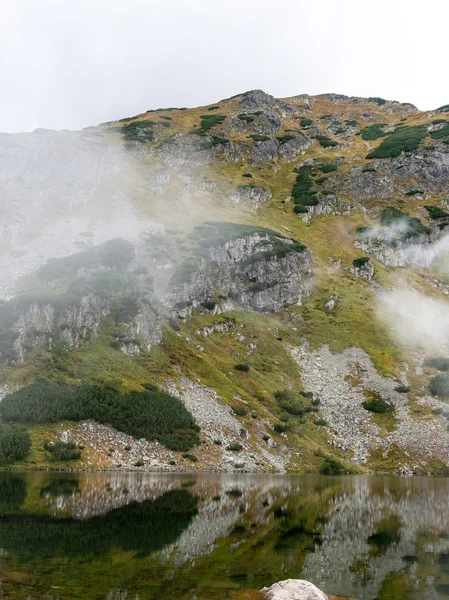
[(278, 265)]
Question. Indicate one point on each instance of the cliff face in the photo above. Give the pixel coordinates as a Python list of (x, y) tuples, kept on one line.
[(205, 244)]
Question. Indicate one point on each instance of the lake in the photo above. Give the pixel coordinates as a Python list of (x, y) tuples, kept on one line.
[(128, 536)]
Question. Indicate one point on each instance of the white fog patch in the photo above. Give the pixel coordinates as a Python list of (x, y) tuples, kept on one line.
[(416, 319)]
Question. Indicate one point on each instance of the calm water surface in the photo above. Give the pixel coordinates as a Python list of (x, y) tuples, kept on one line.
[(128, 536)]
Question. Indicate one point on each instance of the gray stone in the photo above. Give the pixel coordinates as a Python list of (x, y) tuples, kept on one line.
[(293, 589)]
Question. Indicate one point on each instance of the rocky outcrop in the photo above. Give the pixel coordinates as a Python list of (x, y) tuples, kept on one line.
[(254, 195), (259, 100), (257, 271), (185, 152), (293, 589)]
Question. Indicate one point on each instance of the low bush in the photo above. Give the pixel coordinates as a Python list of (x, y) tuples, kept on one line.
[(290, 402), (331, 466), (325, 142), (435, 212), (209, 121), (439, 385), (241, 411), (411, 226), (414, 192), (437, 362), (245, 117), (241, 367), (257, 137), (62, 451), (282, 139), (190, 457), (360, 262), (15, 444), (444, 108), (373, 132), (439, 134), (306, 122), (265, 437), (320, 180), (321, 422), (280, 428), (235, 447), (377, 405), (209, 304), (376, 100), (153, 415), (402, 389), (405, 139), (213, 108), (328, 168), (351, 123), (247, 175)]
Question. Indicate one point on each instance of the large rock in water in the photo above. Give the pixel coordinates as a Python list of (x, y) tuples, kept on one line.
[(293, 589)]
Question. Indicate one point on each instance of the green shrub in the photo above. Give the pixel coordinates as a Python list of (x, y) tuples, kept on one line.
[(377, 405), (235, 447), (325, 142), (406, 139), (306, 122), (376, 100), (247, 175), (290, 402), (265, 437), (373, 132), (282, 139), (435, 212), (351, 123), (328, 168), (62, 451), (190, 457), (414, 228), (320, 180), (414, 192), (153, 415), (209, 304), (440, 133), (442, 364), (139, 463), (257, 137), (444, 108), (321, 422), (439, 385), (15, 444), (138, 131), (331, 466), (300, 208), (209, 121), (360, 262), (213, 108), (239, 465), (280, 428), (402, 389), (241, 411), (241, 367), (245, 117)]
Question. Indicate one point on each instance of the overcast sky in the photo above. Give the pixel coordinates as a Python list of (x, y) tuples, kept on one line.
[(74, 63)]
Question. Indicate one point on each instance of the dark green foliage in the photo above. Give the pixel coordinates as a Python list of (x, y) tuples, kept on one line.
[(435, 212), (326, 117), (13, 492), (190, 457), (245, 117), (413, 228), (290, 402), (302, 192), (439, 385), (165, 117), (149, 414), (321, 422), (320, 180), (280, 428), (406, 139), (235, 447), (440, 133), (360, 262), (414, 192), (331, 466), (328, 168), (209, 121), (377, 405), (257, 137), (444, 108), (351, 123), (116, 253), (15, 444), (379, 101), (437, 362), (306, 122), (300, 208), (265, 437), (282, 139), (241, 411), (247, 175), (209, 304), (246, 186), (138, 131), (325, 142), (241, 367), (139, 528), (373, 132), (369, 170), (438, 121), (213, 108), (402, 389), (62, 451)]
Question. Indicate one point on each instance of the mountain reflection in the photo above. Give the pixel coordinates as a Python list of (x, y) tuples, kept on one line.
[(140, 535)]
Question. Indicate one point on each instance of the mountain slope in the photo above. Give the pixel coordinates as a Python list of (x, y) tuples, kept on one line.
[(276, 264)]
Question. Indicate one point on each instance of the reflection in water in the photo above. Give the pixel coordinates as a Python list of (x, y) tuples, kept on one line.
[(155, 536)]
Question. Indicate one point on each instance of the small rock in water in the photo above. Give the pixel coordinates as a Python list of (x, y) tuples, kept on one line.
[(293, 589)]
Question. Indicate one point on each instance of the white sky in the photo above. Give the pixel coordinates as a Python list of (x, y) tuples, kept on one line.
[(74, 63)]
